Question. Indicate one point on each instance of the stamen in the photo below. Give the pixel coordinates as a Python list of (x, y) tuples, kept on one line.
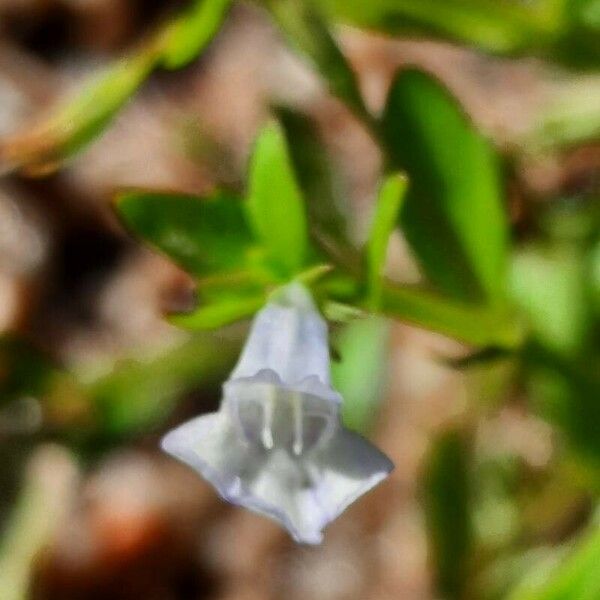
[(267, 430), (298, 445)]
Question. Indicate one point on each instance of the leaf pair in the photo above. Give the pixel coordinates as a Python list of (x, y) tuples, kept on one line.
[(235, 248), (452, 215)]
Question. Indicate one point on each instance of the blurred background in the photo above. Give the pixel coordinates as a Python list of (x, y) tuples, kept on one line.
[(497, 457)]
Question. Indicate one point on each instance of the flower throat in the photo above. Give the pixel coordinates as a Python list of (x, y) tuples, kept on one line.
[(272, 417)]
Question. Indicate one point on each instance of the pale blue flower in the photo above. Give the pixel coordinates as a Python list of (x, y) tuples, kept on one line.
[(277, 445)]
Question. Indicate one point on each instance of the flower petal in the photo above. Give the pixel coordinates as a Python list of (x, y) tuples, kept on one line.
[(272, 484), (283, 491), (302, 495), (212, 446), (345, 469), (289, 338), (305, 495)]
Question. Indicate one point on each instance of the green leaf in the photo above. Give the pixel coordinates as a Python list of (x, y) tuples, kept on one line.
[(275, 204), (447, 507), (308, 33), (313, 274), (75, 124), (219, 313), (42, 148), (387, 208), (338, 312), (496, 26), (575, 578), (186, 36), (326, 209), (203, 235), (475, 325), (453, 215), (360, 375)]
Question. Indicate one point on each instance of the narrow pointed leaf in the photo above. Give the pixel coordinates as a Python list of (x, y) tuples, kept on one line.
[(73, 125), (76, 123), (453, 216), (186, 36), (387, 208), (275, 205), (203, 235), (325, 199), (306, 30), (219, 313)]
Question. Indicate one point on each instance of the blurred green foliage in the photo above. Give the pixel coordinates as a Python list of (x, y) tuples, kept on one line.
[(497, 26), (137, 396), (361, 373), (71, 127), (565, 30), (134, 396), (577, 577), (25, 372), (447, 507), (533, 303), (305, 29), (548, 283), (41, 506)]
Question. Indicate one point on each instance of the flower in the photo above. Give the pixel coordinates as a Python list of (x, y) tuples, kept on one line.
[(277, 445)]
